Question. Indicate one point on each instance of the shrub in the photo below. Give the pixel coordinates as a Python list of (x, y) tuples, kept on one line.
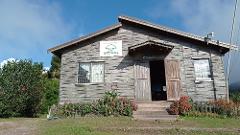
[(219, 107), (235, 96), (184, 104), (85, 109), (110, 105), (180, 107), (21, 88), (50, 94), (202, 114), (174, 108), (223, 107)]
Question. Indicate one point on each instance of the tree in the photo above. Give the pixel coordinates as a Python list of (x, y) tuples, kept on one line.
[(51, 94), (21, 88), (55, 67)]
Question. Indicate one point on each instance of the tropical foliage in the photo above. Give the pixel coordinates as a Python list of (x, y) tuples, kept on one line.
[(21, 88)]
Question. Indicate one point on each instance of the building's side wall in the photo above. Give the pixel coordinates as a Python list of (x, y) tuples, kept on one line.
[(119, 70), (204, 90)]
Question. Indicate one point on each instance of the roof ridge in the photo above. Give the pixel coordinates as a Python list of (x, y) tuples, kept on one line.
[(175, 31), (158, 25), (146, 24)]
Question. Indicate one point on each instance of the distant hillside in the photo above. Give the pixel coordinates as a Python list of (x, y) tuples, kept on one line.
[(234, 86)]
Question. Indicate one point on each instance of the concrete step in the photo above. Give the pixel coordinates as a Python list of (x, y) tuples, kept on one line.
[(150, 113), (154, 104), (157, 118), (155, 110), (160, 108)]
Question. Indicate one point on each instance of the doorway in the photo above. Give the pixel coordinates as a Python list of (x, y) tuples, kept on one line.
[(158, 80)]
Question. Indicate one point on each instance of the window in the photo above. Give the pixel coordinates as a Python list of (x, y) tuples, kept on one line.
[(202, 69), (91, 72)]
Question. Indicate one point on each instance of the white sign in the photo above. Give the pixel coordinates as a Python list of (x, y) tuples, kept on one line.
[(111, 48)]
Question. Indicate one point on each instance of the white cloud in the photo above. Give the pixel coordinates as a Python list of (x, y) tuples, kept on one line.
[(28, 28), (201, 17), (6, 61), (46, 69)]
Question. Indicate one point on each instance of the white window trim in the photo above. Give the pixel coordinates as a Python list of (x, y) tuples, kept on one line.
[(199, 80), (91, 83)]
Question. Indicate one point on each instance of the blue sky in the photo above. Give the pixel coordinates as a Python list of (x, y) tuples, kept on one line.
[(28, 28)]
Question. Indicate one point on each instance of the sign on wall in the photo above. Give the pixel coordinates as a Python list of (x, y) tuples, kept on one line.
[(111, 48)]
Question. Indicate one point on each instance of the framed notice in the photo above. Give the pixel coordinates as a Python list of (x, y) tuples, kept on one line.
[(111, 48)]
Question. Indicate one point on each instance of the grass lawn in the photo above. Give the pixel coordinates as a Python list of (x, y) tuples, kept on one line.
[(127, 126), (118, 126)]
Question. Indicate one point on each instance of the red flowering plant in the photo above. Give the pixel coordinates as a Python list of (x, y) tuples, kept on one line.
[(185, 104), (181, 106), (174, 108)]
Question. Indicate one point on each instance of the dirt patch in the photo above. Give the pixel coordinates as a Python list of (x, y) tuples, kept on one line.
[(19, 127)]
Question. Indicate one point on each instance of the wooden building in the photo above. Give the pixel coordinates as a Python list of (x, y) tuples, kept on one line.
[(142, 61)]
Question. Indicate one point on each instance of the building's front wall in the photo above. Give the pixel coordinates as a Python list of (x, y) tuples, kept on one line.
[(119, 71)]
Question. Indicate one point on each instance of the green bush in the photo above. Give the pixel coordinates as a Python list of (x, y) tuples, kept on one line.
[(85, 109), (235, 96), (110, 105), (21, 88), (219, 107), (202, 114), (50, 94)]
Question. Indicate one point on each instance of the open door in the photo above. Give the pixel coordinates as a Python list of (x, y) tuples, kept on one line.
[(142, 81), (158, 80), (173, 83)]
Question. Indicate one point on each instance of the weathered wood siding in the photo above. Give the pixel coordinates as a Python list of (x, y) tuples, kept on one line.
[(119, 70), (142, 81), (173, 80)]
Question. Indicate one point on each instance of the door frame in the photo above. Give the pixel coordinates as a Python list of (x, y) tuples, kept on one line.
[(149, 79), (164, 76)]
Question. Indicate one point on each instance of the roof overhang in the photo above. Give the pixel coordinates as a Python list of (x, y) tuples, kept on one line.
[(151, 46), (58, 49)]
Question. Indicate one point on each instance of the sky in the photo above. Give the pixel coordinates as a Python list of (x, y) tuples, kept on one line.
[(29, 27)]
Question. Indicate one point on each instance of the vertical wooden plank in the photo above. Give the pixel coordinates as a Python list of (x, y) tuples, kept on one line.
[(142, 81), (172, 70)]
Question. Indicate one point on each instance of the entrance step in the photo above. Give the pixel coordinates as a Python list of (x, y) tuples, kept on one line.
[(155, 110), (159, 108), (136, 113), (162, 118)]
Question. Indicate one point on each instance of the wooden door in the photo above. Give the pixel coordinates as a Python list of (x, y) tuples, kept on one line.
[(142, 81), (173, 82)]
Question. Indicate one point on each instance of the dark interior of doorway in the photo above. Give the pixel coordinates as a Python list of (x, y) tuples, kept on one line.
[(158, 80)]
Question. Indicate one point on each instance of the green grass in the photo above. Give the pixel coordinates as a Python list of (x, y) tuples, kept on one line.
[(206, 122), (123, 126), (127, 126)]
